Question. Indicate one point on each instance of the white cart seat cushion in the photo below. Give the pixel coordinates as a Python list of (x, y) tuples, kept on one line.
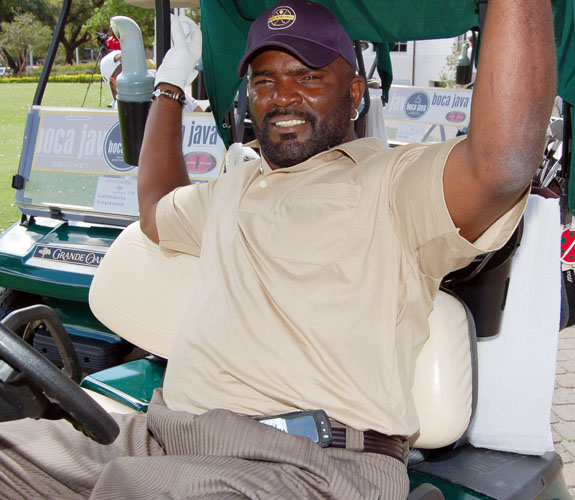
[(443, 384), (107, 403), (140, 291)]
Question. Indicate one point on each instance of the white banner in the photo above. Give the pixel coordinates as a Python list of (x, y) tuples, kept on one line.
[(429, 105), (78, 161), (88, 141)]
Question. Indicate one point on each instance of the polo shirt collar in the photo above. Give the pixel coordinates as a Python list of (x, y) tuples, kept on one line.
[(356, 150)]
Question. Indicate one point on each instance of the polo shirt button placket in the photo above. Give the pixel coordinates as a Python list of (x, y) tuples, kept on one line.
[(263, 184)]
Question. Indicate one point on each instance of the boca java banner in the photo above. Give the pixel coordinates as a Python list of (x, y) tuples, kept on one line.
[(414, 110), (82, 149)]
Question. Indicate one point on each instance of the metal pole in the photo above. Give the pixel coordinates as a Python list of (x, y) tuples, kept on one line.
[(162, 30), (51, 52), (413, 64)]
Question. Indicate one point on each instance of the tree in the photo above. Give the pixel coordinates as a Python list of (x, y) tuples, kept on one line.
[(75, 33), (100, 19), (447, 74), (17, 37), (41, 9)]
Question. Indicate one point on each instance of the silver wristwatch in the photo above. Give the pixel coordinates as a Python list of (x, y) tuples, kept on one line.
[(176, 96)]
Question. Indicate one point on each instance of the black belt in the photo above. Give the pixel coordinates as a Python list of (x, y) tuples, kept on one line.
[(317, 428), (375, 442)]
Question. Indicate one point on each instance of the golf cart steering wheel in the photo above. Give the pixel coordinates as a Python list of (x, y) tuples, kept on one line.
[(63, 397)]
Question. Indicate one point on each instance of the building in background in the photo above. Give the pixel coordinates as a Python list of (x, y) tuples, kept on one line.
[(419, 63)]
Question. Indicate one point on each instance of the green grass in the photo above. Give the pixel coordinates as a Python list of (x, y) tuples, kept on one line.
[(15, 99), (69, 69)]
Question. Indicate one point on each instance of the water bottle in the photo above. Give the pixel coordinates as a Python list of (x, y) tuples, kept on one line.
[(134, 87), (463, 70)]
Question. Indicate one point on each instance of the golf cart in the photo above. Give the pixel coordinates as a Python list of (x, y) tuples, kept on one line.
[(76, 194), (443, 466)]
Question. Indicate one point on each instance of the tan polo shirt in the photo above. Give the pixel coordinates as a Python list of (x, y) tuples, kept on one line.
[(315, 283)]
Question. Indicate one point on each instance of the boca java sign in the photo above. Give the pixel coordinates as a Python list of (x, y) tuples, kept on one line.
[(429, 105), (82, 149), (88, 141)]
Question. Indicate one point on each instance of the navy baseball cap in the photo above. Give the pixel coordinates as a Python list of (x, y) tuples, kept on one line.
[(306, 29)]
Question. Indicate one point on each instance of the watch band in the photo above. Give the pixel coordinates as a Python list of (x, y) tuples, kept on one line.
[(170, 94)]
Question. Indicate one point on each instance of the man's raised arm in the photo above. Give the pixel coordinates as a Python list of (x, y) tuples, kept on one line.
[(161, 167), (486, 174)]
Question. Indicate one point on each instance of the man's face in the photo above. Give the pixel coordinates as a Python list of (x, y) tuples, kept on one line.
[(299, 111)]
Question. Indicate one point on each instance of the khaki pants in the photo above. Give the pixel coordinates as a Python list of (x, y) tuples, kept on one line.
[(175, 455)]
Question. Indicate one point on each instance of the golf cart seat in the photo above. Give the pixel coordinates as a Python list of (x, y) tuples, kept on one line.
[(140, 291)]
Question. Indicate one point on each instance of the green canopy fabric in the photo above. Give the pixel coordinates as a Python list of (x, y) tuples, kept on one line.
[(564, 18), (225, 24)]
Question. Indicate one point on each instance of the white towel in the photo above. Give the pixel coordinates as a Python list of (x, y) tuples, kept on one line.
[(238, 153), (517, 367)]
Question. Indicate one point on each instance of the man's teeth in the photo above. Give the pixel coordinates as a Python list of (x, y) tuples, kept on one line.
[(289, 123)]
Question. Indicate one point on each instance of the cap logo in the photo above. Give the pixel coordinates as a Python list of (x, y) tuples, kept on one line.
[(281, 18)]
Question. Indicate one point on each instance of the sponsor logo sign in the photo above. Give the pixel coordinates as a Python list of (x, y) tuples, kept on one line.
[(430, 105), (90, 142), (76, 142), (113, 153), (455, 116), (78, 160), (69, 255), (416, 105), (199, 163)]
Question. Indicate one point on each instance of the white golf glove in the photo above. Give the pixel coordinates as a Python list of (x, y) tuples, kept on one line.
[(178, 65)]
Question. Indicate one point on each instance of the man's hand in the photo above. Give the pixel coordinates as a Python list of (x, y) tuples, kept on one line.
[(178, 65)]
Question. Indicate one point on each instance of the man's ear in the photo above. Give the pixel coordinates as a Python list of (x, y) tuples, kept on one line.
[(357, 89)]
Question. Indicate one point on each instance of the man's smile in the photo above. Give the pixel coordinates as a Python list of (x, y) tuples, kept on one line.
[(289, 123), (288, 118)]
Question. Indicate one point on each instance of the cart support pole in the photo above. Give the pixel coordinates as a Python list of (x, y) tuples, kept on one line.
[(51, 53), (163, 37)]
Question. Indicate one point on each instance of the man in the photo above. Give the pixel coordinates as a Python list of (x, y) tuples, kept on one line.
[(318, 264), (110, 68)]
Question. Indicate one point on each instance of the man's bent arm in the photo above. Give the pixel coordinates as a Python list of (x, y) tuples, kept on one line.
[(161, 167), (486, 174)]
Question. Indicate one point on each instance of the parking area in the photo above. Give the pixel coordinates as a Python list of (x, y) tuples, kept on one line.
[(563, 412)]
